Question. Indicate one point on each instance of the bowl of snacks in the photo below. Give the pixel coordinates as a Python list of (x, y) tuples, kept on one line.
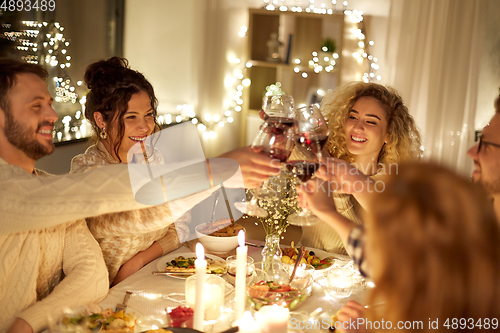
[(220, 236), (273, 286)]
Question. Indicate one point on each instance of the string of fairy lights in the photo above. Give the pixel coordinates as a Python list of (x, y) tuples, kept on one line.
[(44, 43)]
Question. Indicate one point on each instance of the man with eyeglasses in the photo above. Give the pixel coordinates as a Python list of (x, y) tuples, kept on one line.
[(486, 157)]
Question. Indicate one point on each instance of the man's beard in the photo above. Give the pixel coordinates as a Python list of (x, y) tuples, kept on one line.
[(491, 187), (19, 137)]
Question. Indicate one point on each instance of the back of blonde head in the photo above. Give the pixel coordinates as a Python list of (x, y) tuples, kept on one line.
[(433, 245), (404, 138)]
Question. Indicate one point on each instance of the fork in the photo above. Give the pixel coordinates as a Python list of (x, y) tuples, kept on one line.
[(123, 306)]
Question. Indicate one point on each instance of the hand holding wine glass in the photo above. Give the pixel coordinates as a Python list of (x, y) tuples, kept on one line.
[(276, 142), (310, 135)]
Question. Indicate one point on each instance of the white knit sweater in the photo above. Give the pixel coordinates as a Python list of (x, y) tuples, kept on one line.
[(48, 258), (122, 235)]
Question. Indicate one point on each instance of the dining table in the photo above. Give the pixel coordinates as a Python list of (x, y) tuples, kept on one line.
[(153, 294)]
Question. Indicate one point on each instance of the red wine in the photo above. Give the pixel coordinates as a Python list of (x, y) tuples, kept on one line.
[(280, 154), (304, 170), (310, 143), (280, 120)]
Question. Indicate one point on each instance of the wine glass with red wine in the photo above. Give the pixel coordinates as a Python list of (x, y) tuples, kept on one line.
[(310, 134), (276, 140), (278, 109)]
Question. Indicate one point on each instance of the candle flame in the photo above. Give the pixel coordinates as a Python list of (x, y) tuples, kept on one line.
[(200, 251), (241, 238)]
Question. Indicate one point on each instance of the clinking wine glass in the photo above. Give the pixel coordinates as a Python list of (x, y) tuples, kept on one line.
[(278, 109), (310, 135), (276, 141)]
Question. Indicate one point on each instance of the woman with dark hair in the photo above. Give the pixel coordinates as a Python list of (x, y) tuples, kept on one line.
[(121, 107)]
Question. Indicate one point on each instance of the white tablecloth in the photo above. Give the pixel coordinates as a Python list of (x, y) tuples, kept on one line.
[(152, 293)]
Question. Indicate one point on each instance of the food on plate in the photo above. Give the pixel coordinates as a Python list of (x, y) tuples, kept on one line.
[(161, 330), (179, 315), (290, 254), (92, 317), (186, 265), (221, 228), (269, 293)]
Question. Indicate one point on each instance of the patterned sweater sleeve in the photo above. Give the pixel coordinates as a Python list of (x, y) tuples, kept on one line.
[(29, 202), (85, 281)]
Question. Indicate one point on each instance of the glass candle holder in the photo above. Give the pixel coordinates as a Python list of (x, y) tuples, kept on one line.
[(340, 282), (231, 269), (213, 295)]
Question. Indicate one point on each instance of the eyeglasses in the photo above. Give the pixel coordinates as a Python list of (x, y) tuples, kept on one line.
[(482, 142)]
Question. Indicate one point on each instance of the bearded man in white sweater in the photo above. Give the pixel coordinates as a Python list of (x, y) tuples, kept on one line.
[(48, 258)]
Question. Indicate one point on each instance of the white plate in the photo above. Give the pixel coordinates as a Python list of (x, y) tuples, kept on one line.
[(103, 306), (341, 261), (162, 263)]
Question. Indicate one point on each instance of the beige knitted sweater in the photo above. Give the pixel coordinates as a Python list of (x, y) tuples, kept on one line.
[(122, 235), (48, 258)]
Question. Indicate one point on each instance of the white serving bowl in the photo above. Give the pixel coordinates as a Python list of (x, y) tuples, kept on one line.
[(215, 244)]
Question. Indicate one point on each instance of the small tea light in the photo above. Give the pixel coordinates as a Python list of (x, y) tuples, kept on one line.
[(273, 319), (247, 324)]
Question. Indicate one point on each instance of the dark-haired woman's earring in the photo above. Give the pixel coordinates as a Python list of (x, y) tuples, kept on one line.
[(103, 133)]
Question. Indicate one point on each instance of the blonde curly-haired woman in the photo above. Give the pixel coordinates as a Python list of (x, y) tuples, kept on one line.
[(371, 129)]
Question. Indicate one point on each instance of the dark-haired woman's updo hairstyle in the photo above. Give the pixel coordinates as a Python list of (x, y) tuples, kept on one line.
[(112, 84)]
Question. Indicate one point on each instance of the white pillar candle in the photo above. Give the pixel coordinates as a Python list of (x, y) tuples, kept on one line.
[(241, 275), (273, 319), (247, 324), (201, 270)]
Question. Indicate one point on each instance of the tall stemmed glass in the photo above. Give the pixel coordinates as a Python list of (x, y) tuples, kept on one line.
[(278, 109), (310, 135), (276, 140)]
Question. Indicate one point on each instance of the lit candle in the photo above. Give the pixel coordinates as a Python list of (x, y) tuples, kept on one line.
[(241, 275), (247, 324), (201, 270), (273, 318)]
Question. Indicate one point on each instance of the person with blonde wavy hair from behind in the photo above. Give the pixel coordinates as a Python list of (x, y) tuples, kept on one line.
[(370, 129), (432, 245)]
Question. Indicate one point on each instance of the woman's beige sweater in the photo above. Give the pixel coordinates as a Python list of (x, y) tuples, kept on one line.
[(122, 235)]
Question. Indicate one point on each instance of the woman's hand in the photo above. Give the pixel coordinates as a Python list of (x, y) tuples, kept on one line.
[(349, 315), (127, 269), (344, 177), (315, 195), (20, 326), (138, 261)]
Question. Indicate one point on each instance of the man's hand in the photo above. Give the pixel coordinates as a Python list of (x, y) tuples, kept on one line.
[(255, 167), (351, 312), (20, 326)]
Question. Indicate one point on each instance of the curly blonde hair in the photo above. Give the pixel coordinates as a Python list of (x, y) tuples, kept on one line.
[(404, 139), (432, 244)]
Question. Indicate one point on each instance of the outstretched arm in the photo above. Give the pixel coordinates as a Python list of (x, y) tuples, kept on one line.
[(255, 167)]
